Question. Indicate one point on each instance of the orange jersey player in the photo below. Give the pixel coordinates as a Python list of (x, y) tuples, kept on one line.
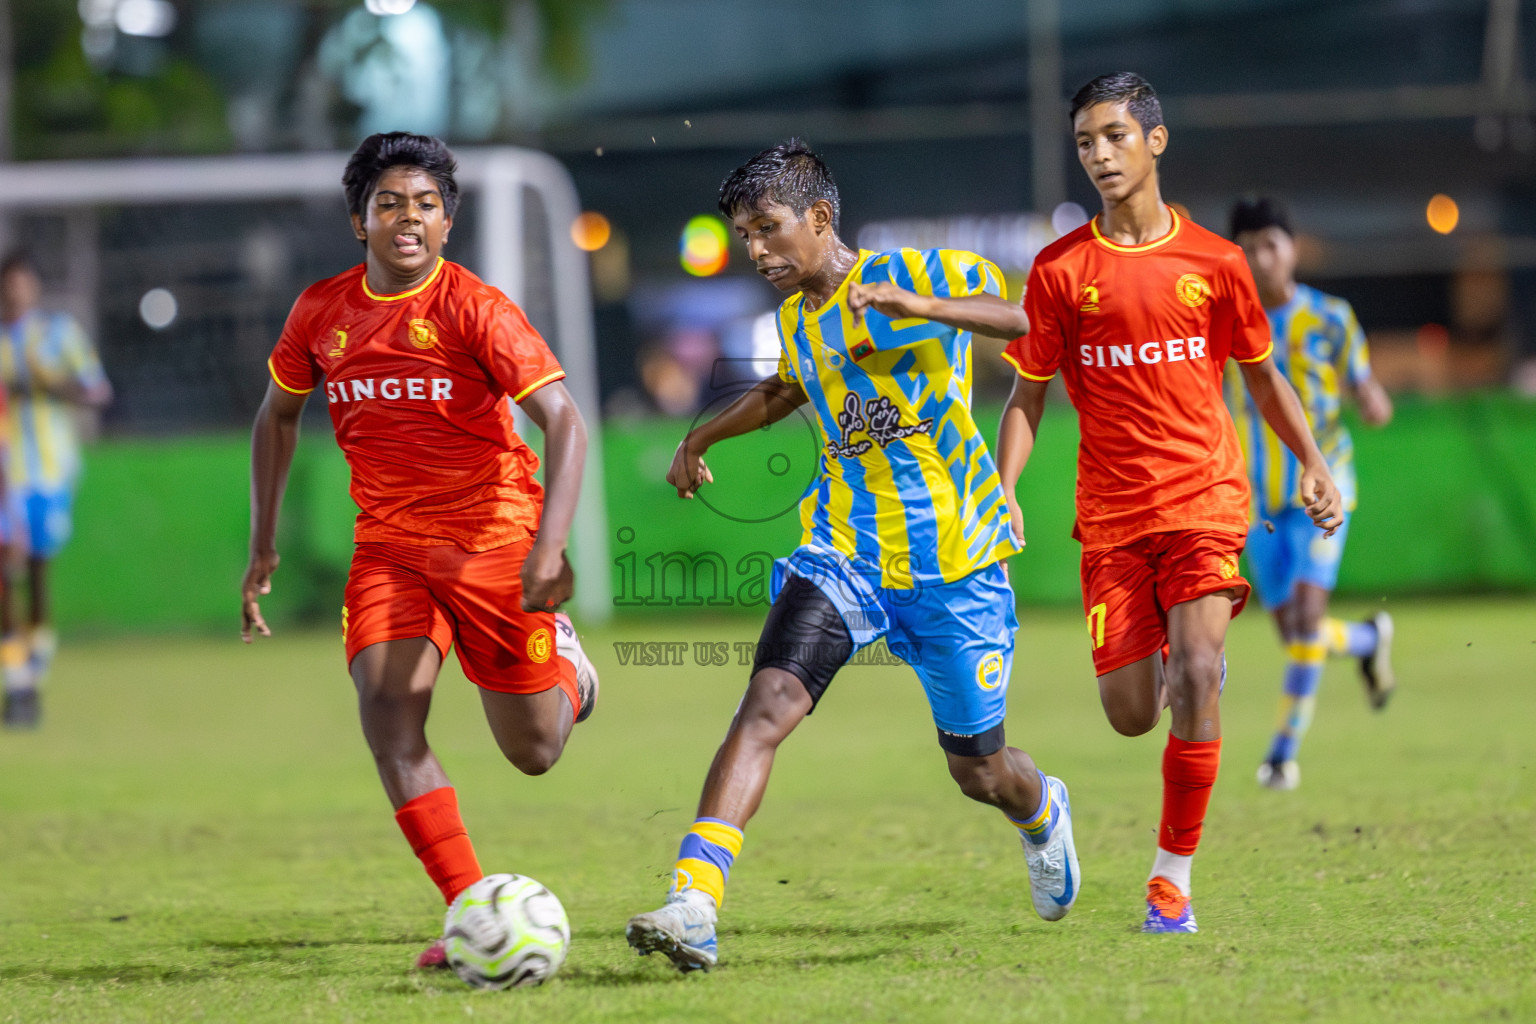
[(1139, 310), (457, 543)]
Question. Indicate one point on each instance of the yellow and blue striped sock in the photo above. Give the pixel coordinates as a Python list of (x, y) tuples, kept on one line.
[(1354, 639), (1302, 677), (1037, 829), (705, 857)]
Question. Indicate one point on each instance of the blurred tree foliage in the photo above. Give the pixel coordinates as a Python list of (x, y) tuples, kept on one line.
[(153, 97), (64, 107), (563, 25)]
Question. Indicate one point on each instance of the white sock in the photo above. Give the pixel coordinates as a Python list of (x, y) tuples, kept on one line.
[(1173, 867)]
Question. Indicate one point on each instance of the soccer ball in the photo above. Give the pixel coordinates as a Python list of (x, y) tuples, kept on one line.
[(505, 931)]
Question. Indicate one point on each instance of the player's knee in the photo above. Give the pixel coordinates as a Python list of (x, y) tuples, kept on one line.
[(374, 700), (536, 757), (1132, 721), (1299, 623), (384, 713), (775, 703), (1130, 714), (1195, 671)]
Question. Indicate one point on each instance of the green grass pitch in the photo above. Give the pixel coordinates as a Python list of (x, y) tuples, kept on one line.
[(197, 834)]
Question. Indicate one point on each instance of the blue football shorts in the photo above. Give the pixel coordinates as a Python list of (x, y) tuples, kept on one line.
[(43, 517), (958, 637), (1297, 552)]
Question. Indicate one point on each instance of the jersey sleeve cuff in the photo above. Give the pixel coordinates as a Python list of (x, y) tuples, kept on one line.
[(279, 382), (1268, 349), (531, 388), (1025, 373)]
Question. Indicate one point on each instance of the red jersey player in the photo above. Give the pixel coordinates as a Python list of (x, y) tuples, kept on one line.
[(1140, 310), (457, 543)]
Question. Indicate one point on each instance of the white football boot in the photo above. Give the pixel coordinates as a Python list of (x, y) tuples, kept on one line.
[(1053, 873), (1281, 775), (568, 646), (684, 930), (1376, 670)]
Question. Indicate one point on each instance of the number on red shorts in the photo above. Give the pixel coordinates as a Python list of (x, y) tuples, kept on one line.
[(1096, 616)]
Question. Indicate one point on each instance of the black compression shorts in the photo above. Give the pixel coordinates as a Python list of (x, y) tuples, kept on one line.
[(805, 636)]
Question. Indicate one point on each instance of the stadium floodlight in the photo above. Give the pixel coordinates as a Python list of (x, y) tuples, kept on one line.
[(514, 188), (151, 18), (385, 8)]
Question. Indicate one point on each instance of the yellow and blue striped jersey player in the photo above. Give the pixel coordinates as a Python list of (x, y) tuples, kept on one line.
[(903, 531), (1319, 346), (51, 373)]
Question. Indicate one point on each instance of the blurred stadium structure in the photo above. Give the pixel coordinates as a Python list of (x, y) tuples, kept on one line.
[(1355, 111), (944, 122)]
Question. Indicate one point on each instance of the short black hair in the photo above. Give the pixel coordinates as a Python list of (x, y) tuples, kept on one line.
[(383, 150), (17, 259), (1255, 213), (1126, 87), (788, 174)]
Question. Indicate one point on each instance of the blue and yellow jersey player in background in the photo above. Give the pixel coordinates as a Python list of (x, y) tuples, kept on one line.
[(1319, 345), (53, 378), (904, 529)]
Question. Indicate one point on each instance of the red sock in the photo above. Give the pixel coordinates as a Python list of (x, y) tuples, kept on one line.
[(1189, 772), (432, 826)]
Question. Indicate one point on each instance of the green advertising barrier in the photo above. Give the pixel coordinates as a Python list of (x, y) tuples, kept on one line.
[(1448, 505)]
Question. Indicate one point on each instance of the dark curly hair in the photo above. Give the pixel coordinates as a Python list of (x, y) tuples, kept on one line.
[(1126, 87), (383, 150), (788, 174)]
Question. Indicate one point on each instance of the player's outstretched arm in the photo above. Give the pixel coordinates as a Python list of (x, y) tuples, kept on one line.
[(980, 314), (272, 443), (547, 577), (1277, 403), (768, 401), (1016, 440)]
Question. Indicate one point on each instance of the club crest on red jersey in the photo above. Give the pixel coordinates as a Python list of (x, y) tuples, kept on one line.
[(1192, 290), (423, 333), (339, 340), (1089, 297)]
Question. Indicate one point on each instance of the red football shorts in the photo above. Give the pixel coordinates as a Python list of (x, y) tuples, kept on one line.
[(1128, 590), (452, 596)]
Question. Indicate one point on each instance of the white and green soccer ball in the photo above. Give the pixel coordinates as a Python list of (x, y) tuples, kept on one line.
[(505, 931)]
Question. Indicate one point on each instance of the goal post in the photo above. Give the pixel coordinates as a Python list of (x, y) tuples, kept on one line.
[(523, 205)]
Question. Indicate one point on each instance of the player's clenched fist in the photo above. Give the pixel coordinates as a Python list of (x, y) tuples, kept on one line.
[(1325, 505), (688, 471), (547, 579)]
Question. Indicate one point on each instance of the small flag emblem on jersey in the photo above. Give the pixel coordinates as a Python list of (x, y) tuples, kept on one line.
[(862, 349)]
